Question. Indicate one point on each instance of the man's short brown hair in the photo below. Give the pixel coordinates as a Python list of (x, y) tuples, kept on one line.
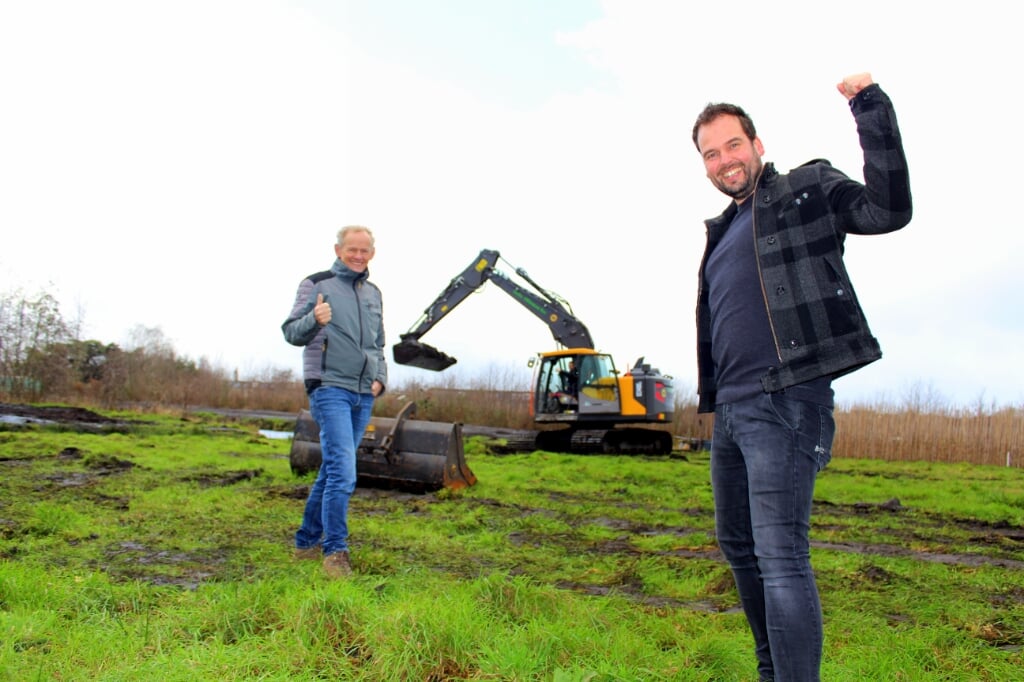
[(714, 110)]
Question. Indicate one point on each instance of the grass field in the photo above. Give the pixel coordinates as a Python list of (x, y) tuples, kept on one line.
[(160, 548)]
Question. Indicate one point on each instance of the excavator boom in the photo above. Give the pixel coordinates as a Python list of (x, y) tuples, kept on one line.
[(576, 389), (566, 329)]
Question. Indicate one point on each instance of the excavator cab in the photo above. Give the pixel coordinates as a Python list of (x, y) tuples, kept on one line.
[(576, 381)]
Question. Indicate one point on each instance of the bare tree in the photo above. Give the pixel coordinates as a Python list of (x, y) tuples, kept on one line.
[(29, 325)]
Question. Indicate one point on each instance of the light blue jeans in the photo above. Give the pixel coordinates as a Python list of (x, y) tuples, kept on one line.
[(766, 453), (342, 417)]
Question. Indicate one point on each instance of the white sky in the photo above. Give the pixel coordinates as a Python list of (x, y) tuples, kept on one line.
[(183, 164)]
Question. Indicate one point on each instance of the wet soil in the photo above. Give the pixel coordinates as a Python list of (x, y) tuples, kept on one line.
[(14, 416), (991, 544), (53, 413)]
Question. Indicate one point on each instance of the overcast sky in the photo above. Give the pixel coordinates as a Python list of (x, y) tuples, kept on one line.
[(183, 164)]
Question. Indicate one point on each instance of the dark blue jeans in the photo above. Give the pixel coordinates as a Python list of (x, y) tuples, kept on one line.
[(765, 455), (342, 417)]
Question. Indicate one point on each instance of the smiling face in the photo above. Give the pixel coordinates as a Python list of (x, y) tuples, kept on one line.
[(732, 160), (355, 250)]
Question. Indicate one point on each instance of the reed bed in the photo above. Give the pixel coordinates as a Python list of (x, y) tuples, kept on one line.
[(910, 432)]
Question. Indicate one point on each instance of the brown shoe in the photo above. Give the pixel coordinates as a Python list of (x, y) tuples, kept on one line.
[(314, 552), (336, 565)]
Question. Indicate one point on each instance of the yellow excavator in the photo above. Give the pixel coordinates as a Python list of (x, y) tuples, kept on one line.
[(575, 387)]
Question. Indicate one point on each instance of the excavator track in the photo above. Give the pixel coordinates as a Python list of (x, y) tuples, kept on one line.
[(620, 441)]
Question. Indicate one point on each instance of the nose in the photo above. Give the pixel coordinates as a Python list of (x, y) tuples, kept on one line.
[(727, 157)]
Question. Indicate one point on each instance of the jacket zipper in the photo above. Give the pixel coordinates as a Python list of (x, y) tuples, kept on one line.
[(356, 286), (760, 274)]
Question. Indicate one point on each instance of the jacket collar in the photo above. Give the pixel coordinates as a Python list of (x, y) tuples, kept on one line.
[(346, 273), (768, 176)]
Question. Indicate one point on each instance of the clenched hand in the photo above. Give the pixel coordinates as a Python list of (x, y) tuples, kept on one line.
[(851, 85)]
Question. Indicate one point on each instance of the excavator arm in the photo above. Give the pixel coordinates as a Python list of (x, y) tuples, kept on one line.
[(552, 310)]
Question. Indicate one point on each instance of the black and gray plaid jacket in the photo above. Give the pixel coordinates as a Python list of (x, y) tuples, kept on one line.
[(801, 219)]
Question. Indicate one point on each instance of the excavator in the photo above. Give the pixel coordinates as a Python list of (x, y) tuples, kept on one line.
[(583, 401)]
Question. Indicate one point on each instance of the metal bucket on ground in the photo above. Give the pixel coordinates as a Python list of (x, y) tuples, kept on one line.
[(395, 453)]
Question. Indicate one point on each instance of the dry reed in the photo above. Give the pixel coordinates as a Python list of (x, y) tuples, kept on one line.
[(921, 429)]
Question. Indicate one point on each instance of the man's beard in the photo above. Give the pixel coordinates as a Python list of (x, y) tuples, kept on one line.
[(740, 192)]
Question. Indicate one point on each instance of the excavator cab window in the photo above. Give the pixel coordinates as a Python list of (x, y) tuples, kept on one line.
[(557, 385), (598, 385), (577, 383), (569, 376)]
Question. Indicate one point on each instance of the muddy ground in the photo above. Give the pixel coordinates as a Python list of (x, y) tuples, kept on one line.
[(59, 414), (992, 544), (1002, 544)]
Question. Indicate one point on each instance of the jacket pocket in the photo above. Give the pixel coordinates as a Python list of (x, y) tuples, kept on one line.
[(373, 316), (803, 208), (838, 299)]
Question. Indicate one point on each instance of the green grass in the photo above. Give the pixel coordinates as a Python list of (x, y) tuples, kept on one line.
[(162, 550)]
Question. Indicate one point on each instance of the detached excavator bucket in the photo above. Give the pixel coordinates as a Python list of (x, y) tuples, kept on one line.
[(417, 354), (400, 453)]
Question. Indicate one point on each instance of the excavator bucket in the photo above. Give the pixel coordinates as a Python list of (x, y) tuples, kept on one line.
[(417, 354), (399, 453)]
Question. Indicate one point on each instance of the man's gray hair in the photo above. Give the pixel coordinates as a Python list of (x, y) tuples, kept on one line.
[(345, 231)]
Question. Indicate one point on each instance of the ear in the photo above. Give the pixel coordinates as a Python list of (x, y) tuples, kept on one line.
[(758, 146)]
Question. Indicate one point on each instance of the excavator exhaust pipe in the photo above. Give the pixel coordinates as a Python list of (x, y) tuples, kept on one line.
[(416, 354), (399, 454)]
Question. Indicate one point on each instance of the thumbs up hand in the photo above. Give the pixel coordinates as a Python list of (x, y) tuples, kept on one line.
[(322, 310)]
